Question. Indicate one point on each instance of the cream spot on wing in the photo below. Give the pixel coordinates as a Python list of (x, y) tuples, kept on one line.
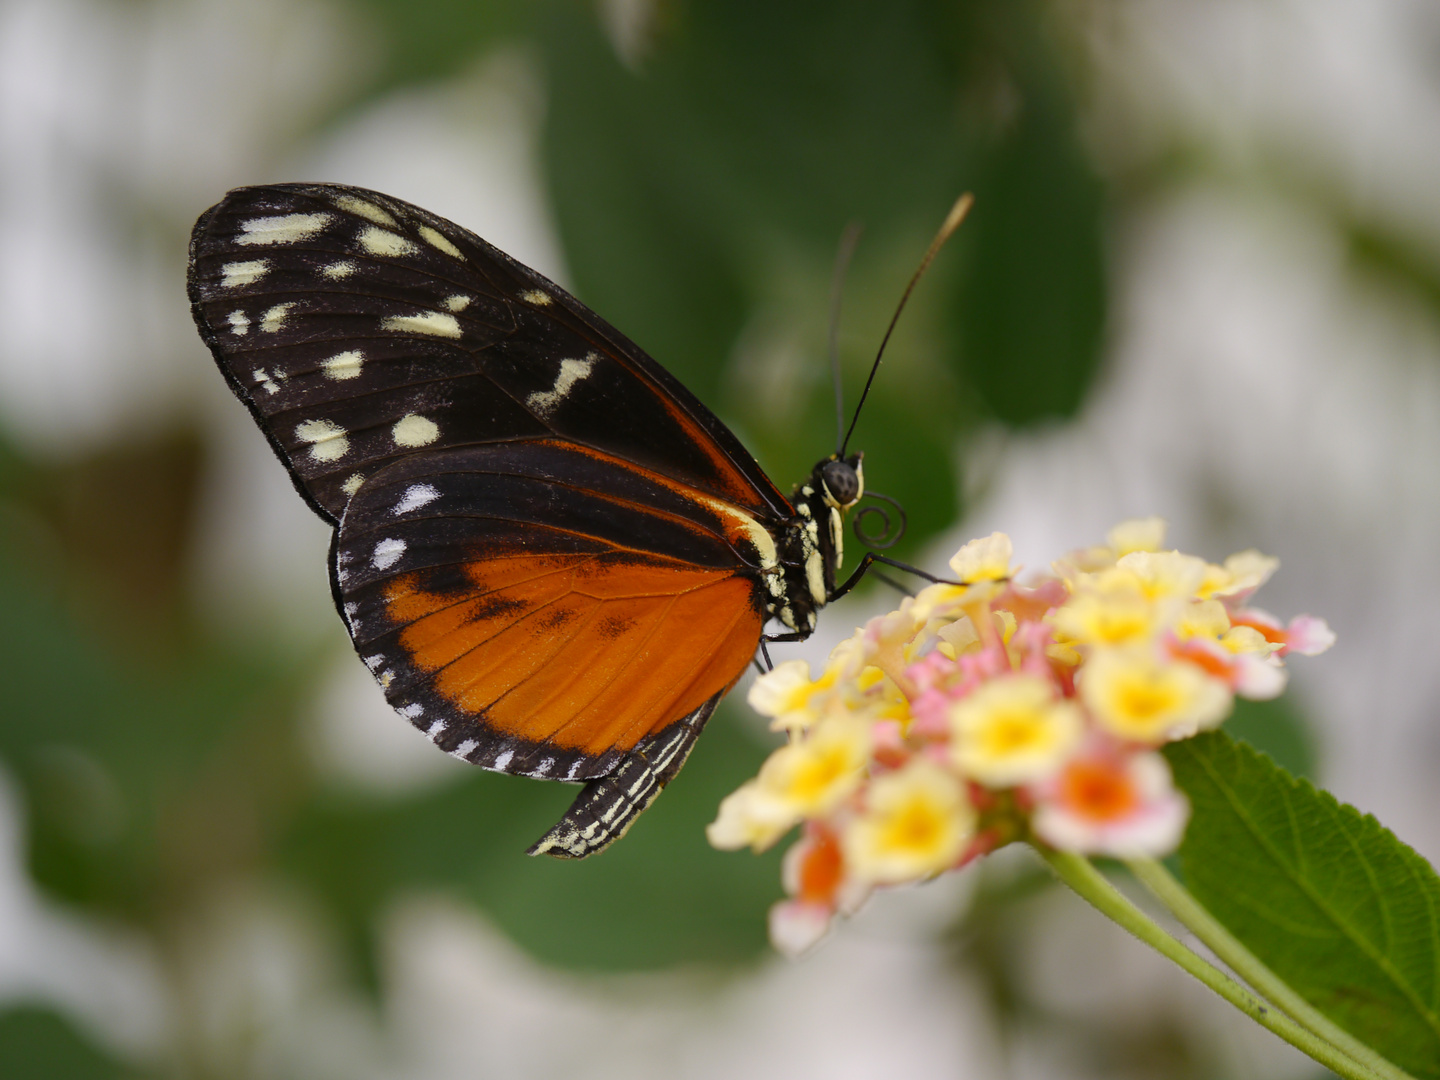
[(387, 553), (239, 323), (571, 372), (503, 759), (340, 270), (416, 496), (536, 297), (345, 365), (236, 274), (757, 534), (414, 430), (262, 378), (426, 322), (365, 209), (379, 241), (436, 239), (352, 483), (328, 440), (458, 302), (463, 750), (284, 229), (412, 712), (275, 318), (437, 729)]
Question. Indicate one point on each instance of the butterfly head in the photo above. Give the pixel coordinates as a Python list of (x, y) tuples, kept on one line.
[(841, 481)]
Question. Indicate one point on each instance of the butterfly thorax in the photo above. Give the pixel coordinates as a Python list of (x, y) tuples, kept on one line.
[(811, 546)]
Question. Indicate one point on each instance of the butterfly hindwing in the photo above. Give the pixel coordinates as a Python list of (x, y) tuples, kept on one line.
[(360, 328), (497, 594)]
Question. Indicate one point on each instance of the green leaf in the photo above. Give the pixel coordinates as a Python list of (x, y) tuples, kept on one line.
[(1276, 728), (1327, 897)]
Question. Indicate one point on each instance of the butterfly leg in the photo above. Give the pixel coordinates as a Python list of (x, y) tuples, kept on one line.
[(868, 560), (769, 664), (606, 807)]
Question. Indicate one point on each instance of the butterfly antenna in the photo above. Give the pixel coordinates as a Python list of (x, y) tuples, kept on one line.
[(952, 222), (848, 240)]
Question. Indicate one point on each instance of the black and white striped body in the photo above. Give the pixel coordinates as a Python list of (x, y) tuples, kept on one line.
[(811, 547)]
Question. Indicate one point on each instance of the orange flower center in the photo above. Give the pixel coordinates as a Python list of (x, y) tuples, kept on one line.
[(821, 870), (1098, 791)]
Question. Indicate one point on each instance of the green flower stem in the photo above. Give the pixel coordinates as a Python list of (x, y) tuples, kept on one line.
[(1193, 916), (1091, 885)]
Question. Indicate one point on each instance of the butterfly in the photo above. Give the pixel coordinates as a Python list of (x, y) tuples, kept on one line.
[(551, 556)]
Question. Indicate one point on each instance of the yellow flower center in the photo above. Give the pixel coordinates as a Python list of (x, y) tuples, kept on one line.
[(1145, 700)]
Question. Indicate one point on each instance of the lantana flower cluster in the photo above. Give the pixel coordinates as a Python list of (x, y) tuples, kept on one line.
[(992, 710)]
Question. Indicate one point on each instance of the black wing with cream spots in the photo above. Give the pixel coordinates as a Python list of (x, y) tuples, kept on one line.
[(359, 329)]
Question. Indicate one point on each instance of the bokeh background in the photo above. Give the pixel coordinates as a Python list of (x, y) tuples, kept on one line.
[(1202, 279)]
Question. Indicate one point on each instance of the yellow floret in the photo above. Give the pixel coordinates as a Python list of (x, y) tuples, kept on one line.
[(813, 775), (985, 559), (917, 822), (1013, 730), (1136, 695), (1137, 534)]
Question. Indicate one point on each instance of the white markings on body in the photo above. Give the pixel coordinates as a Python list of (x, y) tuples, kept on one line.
[(262, 378), (243, 273), (373, 662), (378, 241), (436, 729), (536, 297), (416, 496), (387, 553), (239, 323), (414, 430), (352, 483), (458, 302), (328, 440), (411, 712), (345, 365), (275, 318), (574, 768), (364, 209), (340, 270), (437, 240), (425, 322), (503, 759), (285, 229), (463, 750), (571, 372), (815, 574), (543, 769)]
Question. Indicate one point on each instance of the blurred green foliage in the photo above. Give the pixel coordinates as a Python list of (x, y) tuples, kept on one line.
[(700, 187), (36, 1044)]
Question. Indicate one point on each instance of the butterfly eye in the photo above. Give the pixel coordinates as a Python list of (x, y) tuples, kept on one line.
[(841, 482)]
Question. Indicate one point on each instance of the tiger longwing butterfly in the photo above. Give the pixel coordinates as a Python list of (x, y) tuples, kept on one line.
[(553, 558)]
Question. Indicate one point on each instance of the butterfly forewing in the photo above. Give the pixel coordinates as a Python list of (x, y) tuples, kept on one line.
[(359, 328)]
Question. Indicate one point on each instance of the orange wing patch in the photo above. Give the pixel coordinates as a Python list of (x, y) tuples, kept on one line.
[(587, 652)]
